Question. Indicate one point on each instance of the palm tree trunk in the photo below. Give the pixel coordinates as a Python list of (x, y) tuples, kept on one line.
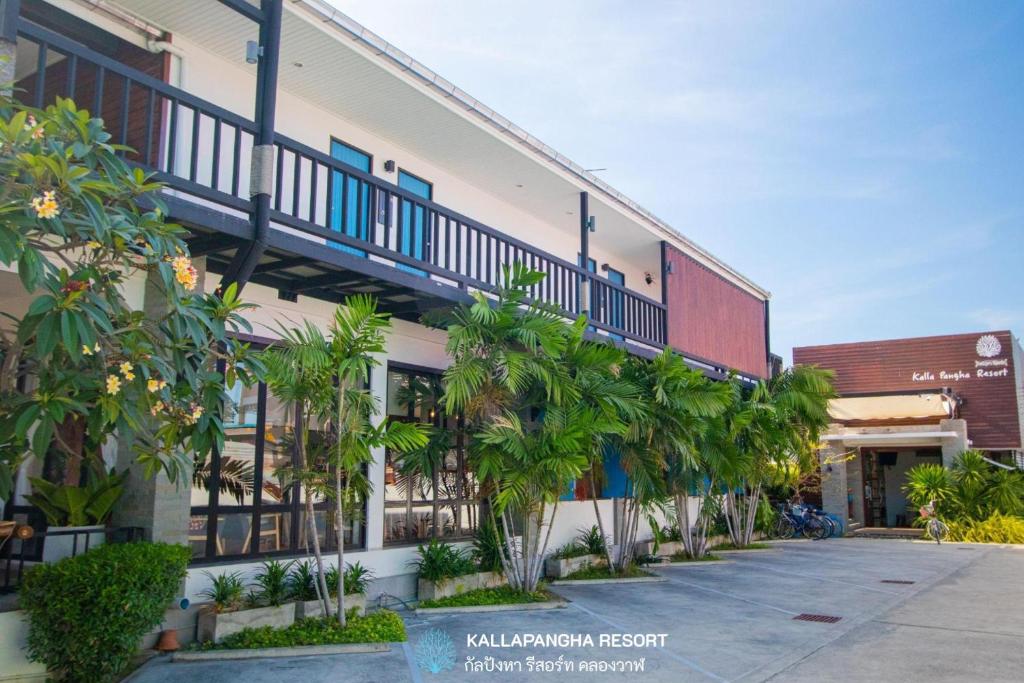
[(301, 439), (544, 548), (600, 520), (339, 502)]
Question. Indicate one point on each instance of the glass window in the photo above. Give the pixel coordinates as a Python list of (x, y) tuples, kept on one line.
[(440, 502), (258, 447)]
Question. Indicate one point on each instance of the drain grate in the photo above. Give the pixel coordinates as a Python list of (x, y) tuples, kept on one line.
[(901, 582), (822, 618)]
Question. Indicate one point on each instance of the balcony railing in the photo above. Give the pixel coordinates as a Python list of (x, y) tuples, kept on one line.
[(202, 150)]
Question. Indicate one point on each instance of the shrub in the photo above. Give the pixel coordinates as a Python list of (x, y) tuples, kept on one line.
[(383, 626), (488, 547), (670, 534), (600, 572), (438, 561), (569, 551), (501, 595), (996, 529), (88, 613), (331, 577), (226, 591), (357, 579), (592, 540), (272, 584), (302, 581)]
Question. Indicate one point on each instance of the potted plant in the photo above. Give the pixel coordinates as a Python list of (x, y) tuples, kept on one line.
[(667, 541), (267, 605), (445, 570), (356, 582), (587, 550), (76, 515)]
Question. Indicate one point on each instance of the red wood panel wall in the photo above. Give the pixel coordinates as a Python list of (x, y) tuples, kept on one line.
[(986, 383), (711, 318)]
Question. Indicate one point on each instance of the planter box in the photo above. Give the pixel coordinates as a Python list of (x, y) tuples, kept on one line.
[(434, 590), (666, 549), (64, 545), (314, 608), (215, 627), (556, 568)]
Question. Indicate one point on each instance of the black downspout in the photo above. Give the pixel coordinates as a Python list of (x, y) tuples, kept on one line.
[(767, 342), (261, 182), (9, 10), (664, 290), (585, 286)]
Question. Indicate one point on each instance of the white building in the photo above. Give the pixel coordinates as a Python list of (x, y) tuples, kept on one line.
[(384, 178)]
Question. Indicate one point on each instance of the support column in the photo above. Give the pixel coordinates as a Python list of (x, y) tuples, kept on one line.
[(9, 10), (834, 482), (375, 504), (953, 447), (159, 506)]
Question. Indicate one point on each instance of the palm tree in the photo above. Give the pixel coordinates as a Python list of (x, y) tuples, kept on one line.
[(661, 447), (778, 422), (357, 337), (528, 427), (595, 369), (325, 377), (299, 373)]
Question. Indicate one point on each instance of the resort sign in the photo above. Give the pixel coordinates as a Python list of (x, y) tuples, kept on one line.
[(987, 347)]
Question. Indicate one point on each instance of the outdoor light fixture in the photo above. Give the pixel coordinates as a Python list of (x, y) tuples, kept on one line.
[(668, 268), (389, 166), (604, 267), (648, 278), (253, 51), (592, 223)]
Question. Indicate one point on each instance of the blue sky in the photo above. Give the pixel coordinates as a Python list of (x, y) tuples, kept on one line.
[(864, 161)]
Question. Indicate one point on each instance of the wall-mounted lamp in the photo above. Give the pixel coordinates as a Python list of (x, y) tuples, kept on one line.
[(389, 166), (592, 223), (604, 267), (668, 268), (253, 51), (648, 278)]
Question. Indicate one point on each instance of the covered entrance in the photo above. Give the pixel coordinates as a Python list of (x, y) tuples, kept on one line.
[(874, 443)]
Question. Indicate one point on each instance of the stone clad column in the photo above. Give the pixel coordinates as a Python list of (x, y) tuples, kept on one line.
[(157, 505), (833, 480), (952, 447)]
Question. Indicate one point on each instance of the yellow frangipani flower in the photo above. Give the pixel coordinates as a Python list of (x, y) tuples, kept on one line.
[(46, 205), (113, 384), (126, 368)]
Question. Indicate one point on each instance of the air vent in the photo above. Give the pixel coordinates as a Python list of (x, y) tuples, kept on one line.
[(821, 618), (899, 581)]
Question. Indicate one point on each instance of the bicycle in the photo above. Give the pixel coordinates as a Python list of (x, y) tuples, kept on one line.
[(935, 527)]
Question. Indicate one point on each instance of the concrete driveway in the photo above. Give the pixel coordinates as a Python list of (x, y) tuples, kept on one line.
[(956, 613)]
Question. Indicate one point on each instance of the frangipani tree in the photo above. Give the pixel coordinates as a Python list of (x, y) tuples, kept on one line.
[(86, 361), (528, 428)]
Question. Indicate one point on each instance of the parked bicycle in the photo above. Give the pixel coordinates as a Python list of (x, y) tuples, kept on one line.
[(804, 521), (934, 527)]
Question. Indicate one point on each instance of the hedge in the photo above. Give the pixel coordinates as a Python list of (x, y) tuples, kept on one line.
[(88, 613)]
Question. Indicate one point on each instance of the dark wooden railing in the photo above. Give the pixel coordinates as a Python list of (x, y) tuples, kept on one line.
[(202, 150)]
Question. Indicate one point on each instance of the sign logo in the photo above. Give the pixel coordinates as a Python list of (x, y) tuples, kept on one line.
[(435, 651), (988, 346)]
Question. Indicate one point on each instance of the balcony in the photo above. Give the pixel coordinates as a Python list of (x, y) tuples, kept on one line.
[(335, 230)]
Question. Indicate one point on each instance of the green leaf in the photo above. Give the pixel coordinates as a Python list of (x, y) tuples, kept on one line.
[(30, 269)]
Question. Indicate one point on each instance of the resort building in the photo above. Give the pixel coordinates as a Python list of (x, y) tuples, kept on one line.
[(310, 159), (904, 402)]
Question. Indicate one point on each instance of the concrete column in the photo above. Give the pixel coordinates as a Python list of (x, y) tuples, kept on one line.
[(855, 486), (952, 447), (161, 507), (375, 505)]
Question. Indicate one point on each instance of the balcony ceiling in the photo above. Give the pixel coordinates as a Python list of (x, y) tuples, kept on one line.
[(339, 74)]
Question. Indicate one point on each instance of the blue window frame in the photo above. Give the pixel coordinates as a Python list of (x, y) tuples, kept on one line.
[(348, 193), (412, 236)]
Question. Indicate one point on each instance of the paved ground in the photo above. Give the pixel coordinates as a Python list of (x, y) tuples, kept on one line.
[(962, 619)]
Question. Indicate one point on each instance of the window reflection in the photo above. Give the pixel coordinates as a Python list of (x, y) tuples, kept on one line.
[(422, 505)]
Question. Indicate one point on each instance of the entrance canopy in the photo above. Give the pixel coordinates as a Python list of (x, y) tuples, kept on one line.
[(892, 407)]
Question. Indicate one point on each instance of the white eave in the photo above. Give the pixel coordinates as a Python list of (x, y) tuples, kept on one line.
[(535, 147)]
